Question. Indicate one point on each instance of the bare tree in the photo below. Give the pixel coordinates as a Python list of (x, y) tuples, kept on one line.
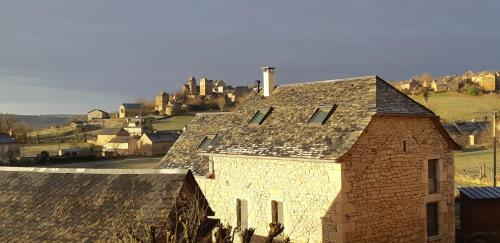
[(7, 123)]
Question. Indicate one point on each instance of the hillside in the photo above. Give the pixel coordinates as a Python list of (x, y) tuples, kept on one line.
[(45, 121), (452, 106)]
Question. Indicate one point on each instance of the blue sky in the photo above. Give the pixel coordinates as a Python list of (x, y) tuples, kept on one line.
[(59, 56)]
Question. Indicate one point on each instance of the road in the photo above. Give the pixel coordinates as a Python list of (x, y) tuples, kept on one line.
[(125, 163)]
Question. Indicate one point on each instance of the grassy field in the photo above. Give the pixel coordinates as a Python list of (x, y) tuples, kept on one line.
[(53, 149), (173, 123), (453, 106), (467, 164)]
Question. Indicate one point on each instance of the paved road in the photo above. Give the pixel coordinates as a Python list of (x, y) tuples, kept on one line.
[(126, 163)]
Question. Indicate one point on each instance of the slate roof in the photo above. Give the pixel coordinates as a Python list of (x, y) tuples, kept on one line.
[(285, 132), (162, 136), (84, 205), (6, 138), (134, 106), (481, 192), (184, 154), (110, 131), (98, 110)]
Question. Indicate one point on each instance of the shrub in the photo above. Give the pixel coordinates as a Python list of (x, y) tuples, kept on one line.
[(473, 90)]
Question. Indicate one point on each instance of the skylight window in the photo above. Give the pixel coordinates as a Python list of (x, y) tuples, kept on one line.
[(260, 116), (321, 115), (206, 142)]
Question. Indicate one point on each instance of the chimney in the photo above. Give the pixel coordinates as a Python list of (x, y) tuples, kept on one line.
[(269, 78), (258, 85)]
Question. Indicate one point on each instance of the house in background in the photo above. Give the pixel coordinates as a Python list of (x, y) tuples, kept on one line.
[(96, 205), (138, 126), (131, 110), (97, 114), (107, 134), (487, 82), (469, 133), (409, 85), (438, 86), (120, 146), (10, 149), (156, 143), (350, 160)]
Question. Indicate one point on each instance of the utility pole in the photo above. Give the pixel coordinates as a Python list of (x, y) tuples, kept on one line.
[(494, 149)]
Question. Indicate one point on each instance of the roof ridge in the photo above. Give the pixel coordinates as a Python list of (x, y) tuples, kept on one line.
[(328, 81), (93, 171)]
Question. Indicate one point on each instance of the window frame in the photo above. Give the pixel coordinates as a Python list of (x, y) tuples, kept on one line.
[(265, 111), (435, 176), (202, 144), (241, 214), (435, 211), (331, 110)]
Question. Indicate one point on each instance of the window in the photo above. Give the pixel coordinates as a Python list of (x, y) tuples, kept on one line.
[(321, 115), (241, 214), (404, 146), (260, 116), (432, 219), (277, 212), (206, 142), (432, 171)]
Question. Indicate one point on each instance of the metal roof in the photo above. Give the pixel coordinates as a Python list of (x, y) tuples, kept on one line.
[(481, 192)]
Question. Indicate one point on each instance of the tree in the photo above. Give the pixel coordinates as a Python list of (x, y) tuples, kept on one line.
[(7, 123)]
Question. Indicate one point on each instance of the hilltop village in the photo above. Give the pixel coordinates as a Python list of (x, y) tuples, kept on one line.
[(338, 160)]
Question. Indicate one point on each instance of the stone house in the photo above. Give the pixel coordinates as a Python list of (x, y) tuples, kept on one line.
[(9, 148), (138, 126), (94, 205), (438, 86), (107, 134), (156, 143), (487, 82), (120, 146), (161, 101), (350, 160), (96, 114), (469, 133), (409, 85), (131, 110)]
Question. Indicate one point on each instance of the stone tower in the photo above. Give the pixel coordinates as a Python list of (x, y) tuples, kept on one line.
[(161, 101), (192, 86), (206, 87)]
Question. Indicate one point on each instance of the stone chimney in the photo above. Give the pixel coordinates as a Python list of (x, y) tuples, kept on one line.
[(269, 77)]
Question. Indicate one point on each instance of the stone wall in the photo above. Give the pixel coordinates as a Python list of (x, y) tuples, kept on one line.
[(308, 191), (385, 188)]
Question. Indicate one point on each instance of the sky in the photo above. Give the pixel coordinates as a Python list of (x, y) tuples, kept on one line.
[(68, 57)]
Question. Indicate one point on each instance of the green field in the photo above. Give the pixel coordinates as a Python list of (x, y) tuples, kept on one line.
[(467, 164), (451, 106), (173, 123)]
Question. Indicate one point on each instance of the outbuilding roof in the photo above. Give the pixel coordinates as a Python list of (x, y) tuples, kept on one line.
[(481, 192), (6, 138), (86, 205), (134, 106), (162, 136), (111, 131)]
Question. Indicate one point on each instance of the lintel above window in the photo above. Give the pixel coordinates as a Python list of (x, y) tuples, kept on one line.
[(260, 116), (321, 114), (206, 141)]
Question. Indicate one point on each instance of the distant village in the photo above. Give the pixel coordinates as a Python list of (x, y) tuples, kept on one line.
[(469, 82)]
